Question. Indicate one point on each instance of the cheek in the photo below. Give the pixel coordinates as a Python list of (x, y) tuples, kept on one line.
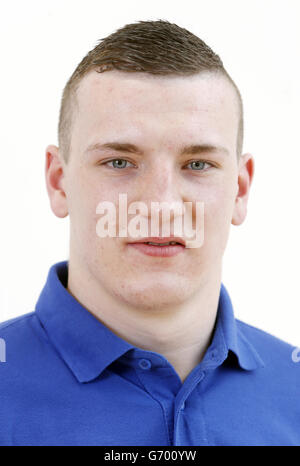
[(220, 204), (217, 217), (82, 202), (86, 191)]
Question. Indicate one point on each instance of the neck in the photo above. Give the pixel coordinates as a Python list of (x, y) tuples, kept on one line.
[(181, 334)]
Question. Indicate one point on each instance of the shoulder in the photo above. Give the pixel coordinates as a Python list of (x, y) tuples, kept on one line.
[(263, 340), (17, 330), (23, 343), (281, 359), (8, 324)]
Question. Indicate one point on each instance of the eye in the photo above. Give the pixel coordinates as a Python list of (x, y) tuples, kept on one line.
[(198, 164), (118, 163)]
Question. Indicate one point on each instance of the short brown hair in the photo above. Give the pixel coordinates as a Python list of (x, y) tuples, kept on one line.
[(154, 47)]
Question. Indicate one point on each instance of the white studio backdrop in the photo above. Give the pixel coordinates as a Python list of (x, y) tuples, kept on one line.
[(258, 41)]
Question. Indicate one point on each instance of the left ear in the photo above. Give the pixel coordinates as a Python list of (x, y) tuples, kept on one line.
[(245, 177)]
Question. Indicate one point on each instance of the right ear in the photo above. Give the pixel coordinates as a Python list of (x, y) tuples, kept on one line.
[(54, 172)]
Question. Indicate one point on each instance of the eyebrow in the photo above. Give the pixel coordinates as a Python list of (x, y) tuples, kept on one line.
[(131, 148)]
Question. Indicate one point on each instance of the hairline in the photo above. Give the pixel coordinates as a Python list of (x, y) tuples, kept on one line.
[(71, 104)]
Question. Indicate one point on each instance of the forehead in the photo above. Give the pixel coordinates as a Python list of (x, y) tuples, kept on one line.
[(181, 92), (116, 101)]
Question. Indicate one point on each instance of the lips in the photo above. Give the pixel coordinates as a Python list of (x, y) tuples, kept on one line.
[(170, 243), (161, 241), (160, 248)]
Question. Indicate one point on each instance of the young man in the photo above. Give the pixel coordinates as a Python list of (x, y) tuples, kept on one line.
[(133, 343)]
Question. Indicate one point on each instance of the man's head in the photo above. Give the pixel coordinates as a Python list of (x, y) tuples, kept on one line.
[(154, 47), (160, 113)]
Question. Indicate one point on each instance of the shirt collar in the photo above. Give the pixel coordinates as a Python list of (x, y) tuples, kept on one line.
[(87, 346), (231, 335)]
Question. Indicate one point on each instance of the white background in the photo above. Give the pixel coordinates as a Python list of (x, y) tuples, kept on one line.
[(41, 44)]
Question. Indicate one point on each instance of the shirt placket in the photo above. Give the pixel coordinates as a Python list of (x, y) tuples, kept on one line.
[(162, 383)]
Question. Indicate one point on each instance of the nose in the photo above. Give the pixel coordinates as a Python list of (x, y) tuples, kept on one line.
[(161, 192), (160, 184)]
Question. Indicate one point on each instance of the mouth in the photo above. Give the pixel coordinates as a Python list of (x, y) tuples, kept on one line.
[(161, 241), (159, 247)]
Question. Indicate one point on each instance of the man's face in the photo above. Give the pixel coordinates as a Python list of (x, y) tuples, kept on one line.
[(159, 115)]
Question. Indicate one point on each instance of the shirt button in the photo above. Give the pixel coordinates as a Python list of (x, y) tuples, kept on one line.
[(144, 363), (214, 353)]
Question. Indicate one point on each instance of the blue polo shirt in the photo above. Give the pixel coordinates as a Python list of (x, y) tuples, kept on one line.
[(68, 380)]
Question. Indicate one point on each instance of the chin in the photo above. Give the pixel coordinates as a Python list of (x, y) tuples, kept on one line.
[(155, 296)]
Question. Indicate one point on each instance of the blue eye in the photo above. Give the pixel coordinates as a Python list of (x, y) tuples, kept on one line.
[(198, 164), (118, 163)]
